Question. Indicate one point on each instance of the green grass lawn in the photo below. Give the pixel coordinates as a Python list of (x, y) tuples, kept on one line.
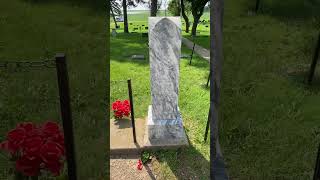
[(192, 163), (34, 31), (136, 20), (270, 120)]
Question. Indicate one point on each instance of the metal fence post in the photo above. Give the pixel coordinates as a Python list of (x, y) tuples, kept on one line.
[(316, 175), (314, 61), (194, 44), (209, 79), (63, 83), (132, 111), (207, 127)]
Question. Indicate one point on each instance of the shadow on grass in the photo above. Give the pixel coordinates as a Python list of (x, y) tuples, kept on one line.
[(187, 163), (294, 9), (123, 46), (299, 77)]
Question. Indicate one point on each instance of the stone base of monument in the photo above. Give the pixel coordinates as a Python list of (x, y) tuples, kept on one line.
[(121, 138), (164, 134)]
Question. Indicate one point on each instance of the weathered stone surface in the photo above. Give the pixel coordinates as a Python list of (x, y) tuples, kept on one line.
[(164, 132), (165, 49), (164, 123)]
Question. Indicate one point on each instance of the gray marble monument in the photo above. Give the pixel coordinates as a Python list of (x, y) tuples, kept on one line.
[(164, 123)]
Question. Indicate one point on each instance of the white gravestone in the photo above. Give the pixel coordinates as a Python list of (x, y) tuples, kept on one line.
[(164, 124)]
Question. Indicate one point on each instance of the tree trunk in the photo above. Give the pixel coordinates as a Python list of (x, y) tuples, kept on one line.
[(154, 8), (114, 18), (125, 16), (185, 17), (217, 170), (194, 25)]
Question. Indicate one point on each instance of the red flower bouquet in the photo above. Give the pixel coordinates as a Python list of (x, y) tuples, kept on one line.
[(121, 109), (35, 148)]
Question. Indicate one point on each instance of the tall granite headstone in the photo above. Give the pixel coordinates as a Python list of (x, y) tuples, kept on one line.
[(164, 124)]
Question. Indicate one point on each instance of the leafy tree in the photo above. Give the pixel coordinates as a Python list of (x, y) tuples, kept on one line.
[(197, 8), (185, 11), (115, 10), (125, 4), (175, 7), (154, 6)]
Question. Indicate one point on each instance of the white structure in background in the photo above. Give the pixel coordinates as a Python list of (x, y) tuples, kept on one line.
[(119, 18)]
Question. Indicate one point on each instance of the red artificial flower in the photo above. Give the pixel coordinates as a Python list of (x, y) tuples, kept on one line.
[(16, 138), (28, 165), (32, 145), (9, 147), (121, 109), (27, 126), (40, 147), (50, 128), (139, 166), (51, 155), (59, 139)]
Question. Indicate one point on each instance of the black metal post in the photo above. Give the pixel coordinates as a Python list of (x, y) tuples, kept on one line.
[(209, 79), (194, 44), (257, 5), (314, 61), (132, 111), (207, 127), (316, 175), (63, 83)]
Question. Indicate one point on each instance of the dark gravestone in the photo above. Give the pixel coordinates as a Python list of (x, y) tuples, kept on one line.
[(207, 26), (146, 28), (135, 29), (143, 25)]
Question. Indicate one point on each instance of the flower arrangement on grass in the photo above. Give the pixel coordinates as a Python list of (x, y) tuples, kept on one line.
[(121, 109), (35, 149)]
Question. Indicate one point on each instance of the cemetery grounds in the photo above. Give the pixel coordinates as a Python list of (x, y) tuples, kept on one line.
[(270, 120)]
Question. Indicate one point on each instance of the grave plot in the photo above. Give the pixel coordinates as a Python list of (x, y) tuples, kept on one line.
[(126, 132), (168, 110)]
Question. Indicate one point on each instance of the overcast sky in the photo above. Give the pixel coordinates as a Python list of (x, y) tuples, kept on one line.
[(145, 7)]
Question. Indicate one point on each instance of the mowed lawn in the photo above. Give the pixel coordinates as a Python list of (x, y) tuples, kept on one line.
[(270, 120), (191, 163), (36, 31)]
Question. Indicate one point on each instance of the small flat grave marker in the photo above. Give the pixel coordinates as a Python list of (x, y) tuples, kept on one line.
[(146, 28), (137, 57), (185, 56)]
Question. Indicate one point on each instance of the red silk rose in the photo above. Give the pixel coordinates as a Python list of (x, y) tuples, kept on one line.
[(28, 165), (121, 109), (139, 165), (36, 148)]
